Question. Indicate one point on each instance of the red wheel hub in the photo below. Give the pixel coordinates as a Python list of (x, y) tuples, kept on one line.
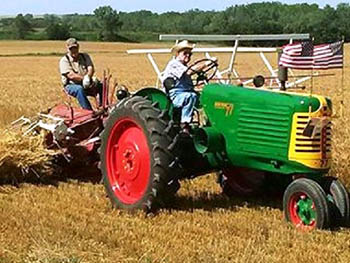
[(128, 161), (302, 211)]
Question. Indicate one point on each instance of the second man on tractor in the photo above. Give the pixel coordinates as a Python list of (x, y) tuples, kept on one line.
[(77, 75)]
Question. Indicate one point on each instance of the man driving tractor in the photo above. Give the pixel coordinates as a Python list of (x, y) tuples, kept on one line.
[(77, 75), (178, 82)]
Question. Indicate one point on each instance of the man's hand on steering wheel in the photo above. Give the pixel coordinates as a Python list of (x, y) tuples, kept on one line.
[(204, 69)]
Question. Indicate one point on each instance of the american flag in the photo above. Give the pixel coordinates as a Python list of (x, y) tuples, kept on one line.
[(305, 55)]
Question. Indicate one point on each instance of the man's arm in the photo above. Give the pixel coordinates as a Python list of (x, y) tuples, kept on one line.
[(91, 71), (196, 68), (67, 71), (74, 76), (89, 65), (174, 69)]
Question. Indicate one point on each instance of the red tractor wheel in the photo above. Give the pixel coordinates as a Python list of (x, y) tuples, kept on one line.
[(135, 162), (305, 205), (240, 181)]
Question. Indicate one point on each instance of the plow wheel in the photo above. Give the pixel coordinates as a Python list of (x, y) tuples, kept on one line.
[(135, 162), (338, 198), (305, 205), (241, 181)]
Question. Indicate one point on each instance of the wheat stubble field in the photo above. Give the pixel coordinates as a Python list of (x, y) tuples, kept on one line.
[(72, 220)]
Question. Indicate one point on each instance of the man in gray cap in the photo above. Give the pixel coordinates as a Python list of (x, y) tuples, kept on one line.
[(77, 71)]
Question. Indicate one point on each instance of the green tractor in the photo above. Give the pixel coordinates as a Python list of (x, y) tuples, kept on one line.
[(254, 138)]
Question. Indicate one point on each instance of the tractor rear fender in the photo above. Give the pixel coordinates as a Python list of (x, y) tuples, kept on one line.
[(157, 97)]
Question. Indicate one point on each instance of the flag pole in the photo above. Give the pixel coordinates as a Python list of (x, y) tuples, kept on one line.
[(342, 81), (312, 84), (312, 78)]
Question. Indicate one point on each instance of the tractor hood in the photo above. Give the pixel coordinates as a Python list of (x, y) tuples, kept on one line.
[(265, 98), (258, 126)]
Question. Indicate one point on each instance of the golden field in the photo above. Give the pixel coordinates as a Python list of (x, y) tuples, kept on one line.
[(71, 220)]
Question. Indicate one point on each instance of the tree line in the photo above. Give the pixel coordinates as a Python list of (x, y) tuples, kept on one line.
[(107, 24)]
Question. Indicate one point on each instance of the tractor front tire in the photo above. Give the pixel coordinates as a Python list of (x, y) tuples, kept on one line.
[(338, 198), (305, 205), (136, 165)]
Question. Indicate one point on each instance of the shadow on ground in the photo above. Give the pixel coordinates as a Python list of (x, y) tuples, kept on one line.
[(53, 176), (212, 202)]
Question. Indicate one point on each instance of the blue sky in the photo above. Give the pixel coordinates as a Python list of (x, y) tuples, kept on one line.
[(37, 7)]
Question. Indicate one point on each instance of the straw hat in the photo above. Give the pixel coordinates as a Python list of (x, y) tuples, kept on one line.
[(184, 44)]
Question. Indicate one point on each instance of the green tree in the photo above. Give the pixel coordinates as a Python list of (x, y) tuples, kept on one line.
[(82, 23), (343, 22), (108, 23), (56, 29), (21, 27)]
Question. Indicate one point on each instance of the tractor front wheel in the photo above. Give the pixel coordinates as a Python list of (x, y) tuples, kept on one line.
[(305, 205), (338, 198), (135, 161)]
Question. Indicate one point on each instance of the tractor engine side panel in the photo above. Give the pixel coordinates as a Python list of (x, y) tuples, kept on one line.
[(256, 125)]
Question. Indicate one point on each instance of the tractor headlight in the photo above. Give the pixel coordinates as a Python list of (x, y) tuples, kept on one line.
[(259, 81)]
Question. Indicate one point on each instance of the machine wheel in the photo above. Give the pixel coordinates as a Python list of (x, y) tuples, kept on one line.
[(136, 165), (338, 197), (241, 181), (305, 205)]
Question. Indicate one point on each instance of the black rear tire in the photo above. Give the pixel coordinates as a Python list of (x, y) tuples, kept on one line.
[(136, 164)]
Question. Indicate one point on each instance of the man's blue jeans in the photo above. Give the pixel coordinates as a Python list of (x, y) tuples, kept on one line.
[(185, 100), (81, 94)]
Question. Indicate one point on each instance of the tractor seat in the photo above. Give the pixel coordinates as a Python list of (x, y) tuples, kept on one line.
[(169, 83)]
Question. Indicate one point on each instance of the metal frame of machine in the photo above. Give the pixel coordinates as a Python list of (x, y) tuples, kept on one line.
[(226, 75)]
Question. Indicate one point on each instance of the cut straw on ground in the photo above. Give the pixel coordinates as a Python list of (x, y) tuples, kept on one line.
[(21, 156)]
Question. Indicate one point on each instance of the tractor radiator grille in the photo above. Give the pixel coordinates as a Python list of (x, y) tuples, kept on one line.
[(319, 143), (262, 127)]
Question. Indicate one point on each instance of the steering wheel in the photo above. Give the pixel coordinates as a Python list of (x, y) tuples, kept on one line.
[(203, 76)]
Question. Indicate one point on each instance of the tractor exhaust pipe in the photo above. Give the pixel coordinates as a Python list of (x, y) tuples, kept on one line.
[(208, 140), (282, 72)]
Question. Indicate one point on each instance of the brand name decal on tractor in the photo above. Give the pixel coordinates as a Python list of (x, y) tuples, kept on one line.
[(228, 107)]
